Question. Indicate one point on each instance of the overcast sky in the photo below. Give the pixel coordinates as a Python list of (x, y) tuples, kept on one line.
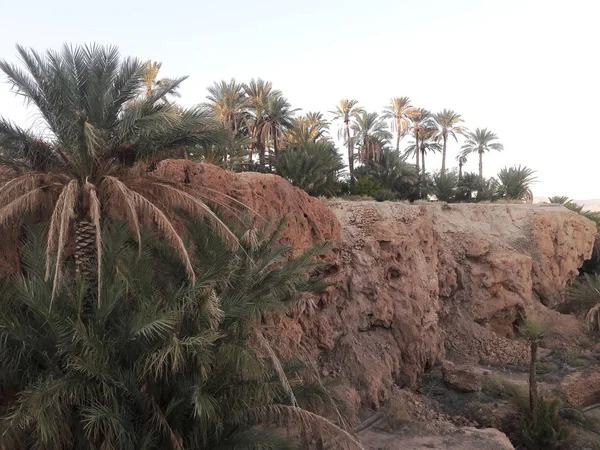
[(529, 70)]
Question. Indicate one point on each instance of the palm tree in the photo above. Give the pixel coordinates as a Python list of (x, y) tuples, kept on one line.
[(371, 134), (308, 128), (346, 111), (419, 117), (95, 128), (278, 118), (259, 92), (448, 124), (166, 365), (427, 143), (228, 102), (399, 112), (313, 167), (462, 160), (515, 183), (481, 141)]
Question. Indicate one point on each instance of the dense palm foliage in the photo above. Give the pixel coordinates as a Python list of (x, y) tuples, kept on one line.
[(166, 364), (515, 183), (314, 167), (480, 142), (370, 136), (99, 115)]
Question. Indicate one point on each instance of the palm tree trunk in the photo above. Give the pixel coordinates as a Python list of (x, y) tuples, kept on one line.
[(417, 150), (350, 154), (533, 377), (481, 167), (460, 164), (444, 155), (398, 137), (423, 159), (261, 156), (276, 151), (85, 259)]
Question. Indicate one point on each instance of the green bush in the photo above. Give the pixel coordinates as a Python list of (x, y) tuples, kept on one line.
[(544, 429), (371, 188), (313, 167), (445, 186)]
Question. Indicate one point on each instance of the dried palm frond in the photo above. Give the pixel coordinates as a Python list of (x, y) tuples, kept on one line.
[(118, 191), (319, 425), (179, 198), (150, 210), (278, 367), (65, 206), (592, 318)]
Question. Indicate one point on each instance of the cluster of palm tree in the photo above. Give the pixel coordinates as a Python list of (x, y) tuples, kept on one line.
[(114, 334), (262, 124)]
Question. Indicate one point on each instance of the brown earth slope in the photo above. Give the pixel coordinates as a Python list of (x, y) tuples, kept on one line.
[(414, 282)]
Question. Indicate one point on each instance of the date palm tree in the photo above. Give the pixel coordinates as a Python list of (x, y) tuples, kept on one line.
[(258, 92), (165, 365), (419, 118), (515, 182), (346, 111), (371, 135), (228, 101), (481, 141), (76, 168), (399, 112), (448, 124), (277, 120), (427, 143)]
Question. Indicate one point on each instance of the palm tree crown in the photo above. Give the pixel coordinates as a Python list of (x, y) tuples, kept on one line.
[(308, 128), (399, 112), (481, 141), (371, 135), (228, 102), (95, 125)]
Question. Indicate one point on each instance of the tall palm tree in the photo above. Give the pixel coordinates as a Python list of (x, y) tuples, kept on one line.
[(228, 101), (277, 120), (308, 128), (259, 92), (371, 134), (346, 111), (399, 111), (419, 118), (427, 144), (481, 141), (77, 168), (448, 124)]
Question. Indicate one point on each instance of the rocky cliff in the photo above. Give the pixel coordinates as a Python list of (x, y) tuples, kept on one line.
[(414, 284)]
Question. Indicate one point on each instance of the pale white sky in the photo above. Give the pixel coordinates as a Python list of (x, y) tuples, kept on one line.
[(529, 70)]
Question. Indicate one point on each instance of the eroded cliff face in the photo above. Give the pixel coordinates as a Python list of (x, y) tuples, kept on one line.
[(414, 284)]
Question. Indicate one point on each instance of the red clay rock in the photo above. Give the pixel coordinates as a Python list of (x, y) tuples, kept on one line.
[(410, 280)]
